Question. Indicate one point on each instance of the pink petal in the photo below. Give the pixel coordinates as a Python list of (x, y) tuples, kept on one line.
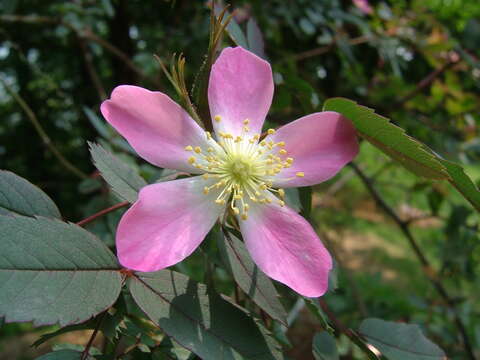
[(240, 87), (320, 144), (156, 127), (166, 224), (286, 248)]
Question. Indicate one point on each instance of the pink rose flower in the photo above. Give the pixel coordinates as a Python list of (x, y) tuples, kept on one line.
[(364, 6), (236, 172)]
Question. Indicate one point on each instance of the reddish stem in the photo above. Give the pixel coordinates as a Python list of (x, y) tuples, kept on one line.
[(102, 212)]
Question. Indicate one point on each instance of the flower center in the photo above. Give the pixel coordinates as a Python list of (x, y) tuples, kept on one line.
[(240, 169), (245, 169)]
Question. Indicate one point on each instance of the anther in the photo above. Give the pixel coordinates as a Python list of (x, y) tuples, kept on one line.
[(281, 192), (281, 203), (217, 118), (206, 190), (191, 159), (300, 174), (246, 121), (283, 152), (271, 131), (281, 143), (244, 216), (198, 149), (220, 201), (189, 148)]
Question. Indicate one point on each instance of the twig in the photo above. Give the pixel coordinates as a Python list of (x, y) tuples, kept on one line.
[(426, 81), (87, 56), (41, 132), (102, 212), (324, 49), (341, 328), (426, 266), (85, 352)]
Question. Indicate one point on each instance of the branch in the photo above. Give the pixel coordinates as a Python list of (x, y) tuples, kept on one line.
[(426, 81), (426, 266), (81, 33), (324, 49), (43, 135), (87, 56), (102, 212), (351, 334), (85, 352)]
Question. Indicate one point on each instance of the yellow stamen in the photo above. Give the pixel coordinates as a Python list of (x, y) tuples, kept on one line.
[(217, 118), (271, 131), (300, 174)]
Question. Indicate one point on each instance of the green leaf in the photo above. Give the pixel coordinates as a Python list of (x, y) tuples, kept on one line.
[(316, 310), (399, 341), (18, 196), (54, 272), (389, 138), (324, 347), (463, 183), (63, 355), (200, 320), (255, 39), (234, 30), (249, 277), (305, 194), (292, 199), (102, 127), (45, 337), (124, 180)]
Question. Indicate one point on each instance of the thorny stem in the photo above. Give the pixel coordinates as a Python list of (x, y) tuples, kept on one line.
[(426, 266), (85, 352), (102, 212), (41, 132)]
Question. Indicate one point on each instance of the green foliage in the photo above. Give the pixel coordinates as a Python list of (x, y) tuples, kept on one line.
[(199, 319), (415, 62), (54, 272), (249, 277), (64, 355), (18, 196), (124, 180), (324, 346), (399, 341), (389, 138)]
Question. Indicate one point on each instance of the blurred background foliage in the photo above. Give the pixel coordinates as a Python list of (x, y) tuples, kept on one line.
[(416, 62)]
